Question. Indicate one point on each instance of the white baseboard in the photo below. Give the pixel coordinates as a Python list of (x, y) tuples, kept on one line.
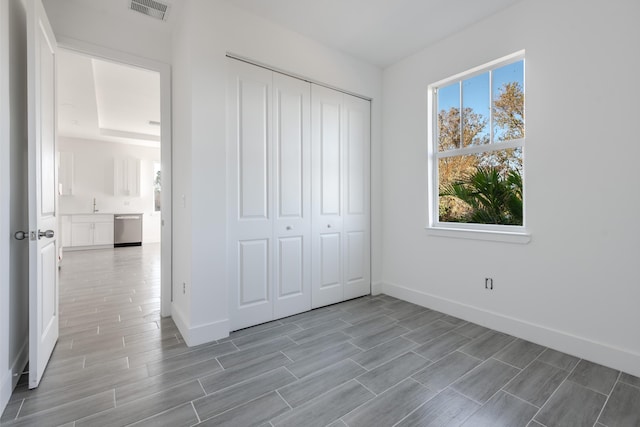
[(12, 376), (199, 334), (377, 288), (581, 347), (5, 389)]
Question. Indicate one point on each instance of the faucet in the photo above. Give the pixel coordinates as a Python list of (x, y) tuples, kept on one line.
[(94, 205)]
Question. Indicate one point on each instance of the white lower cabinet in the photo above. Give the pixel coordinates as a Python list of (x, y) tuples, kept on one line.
[(91, 230), (298, 195)]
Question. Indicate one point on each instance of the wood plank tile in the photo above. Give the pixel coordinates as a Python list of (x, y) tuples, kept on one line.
[(239, 373), (244, 356), (322, 358), (320, 382), (145, 407), (503, 410), (482, 382), (383, 353), (393, 372), (180, 416), (441, 346), (520, 353), (537, 383), (623, 407), (446, 370), (221, 401), (254, 413), (447, 409), (326, 408), (594, 376), (572, 405), (391, 406), (558, 359), (429, 332), (487, 345)]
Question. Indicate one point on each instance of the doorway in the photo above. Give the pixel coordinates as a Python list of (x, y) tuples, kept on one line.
[(120, 123)]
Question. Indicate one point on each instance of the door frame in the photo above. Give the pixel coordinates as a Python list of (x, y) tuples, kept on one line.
[(164, 69)]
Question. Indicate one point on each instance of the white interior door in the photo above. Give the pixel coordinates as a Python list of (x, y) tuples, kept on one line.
[(250, 212), (356, 138), (292, 195), (327, 164), (43, 223), (341, 196)]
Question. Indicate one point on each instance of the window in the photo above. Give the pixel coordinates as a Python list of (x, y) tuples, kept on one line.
[(157, 187), (477, 138)]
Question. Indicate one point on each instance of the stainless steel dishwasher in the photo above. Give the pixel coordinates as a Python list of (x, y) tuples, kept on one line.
[(127, 230)]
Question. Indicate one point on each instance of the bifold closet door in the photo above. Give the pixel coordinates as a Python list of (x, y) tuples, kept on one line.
[(269, 195), (340, 196), (292, 195)]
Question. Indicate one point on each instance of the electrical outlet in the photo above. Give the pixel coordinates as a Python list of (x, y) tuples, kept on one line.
[(184, 288), (488, 283)]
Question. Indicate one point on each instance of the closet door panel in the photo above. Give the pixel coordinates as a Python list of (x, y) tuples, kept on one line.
[(253, 272), (290, 267), (327, 171), (356, 224), (253, 149), (250, 217), (292, 183)]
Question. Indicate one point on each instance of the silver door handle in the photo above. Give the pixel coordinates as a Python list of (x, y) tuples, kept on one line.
[(48, 234), (288, 227), (328, 225), (21, 235)]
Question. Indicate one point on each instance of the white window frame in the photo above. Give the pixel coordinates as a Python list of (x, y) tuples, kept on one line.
[(492, 232)]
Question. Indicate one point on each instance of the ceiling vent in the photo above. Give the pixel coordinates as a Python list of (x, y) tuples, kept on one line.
[(152, 8)]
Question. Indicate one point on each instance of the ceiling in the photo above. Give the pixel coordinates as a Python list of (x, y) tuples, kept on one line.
[(111, 102), (107, 101), (380, 32)]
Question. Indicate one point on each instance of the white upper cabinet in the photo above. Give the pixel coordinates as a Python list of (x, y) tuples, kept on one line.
[(126, 177), (65, 173)]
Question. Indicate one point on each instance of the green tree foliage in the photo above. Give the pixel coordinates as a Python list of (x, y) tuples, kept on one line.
[(493, 198)]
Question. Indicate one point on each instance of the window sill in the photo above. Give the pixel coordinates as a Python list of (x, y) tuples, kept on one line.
[(487, 235)]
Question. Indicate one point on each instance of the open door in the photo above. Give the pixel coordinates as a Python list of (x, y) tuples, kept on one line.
[(43, 221)]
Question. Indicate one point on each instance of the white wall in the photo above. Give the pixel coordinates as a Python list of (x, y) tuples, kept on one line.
[(93, 177), (575, 285), (209, 31), (14, 302), (121, 29)]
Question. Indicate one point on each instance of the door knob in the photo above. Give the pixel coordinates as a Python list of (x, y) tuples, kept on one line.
[(21, 235), (48, 234), (288, 227), (328, 225)]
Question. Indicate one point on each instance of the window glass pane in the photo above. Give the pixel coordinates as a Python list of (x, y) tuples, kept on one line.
[(449, 117), (475, 111), (157, 187), (484, 188), (508, 102)]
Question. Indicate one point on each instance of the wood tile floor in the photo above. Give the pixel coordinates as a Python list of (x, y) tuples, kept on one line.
[(373, 361)]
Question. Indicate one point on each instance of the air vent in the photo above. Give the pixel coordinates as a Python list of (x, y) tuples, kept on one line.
[(151, 8)]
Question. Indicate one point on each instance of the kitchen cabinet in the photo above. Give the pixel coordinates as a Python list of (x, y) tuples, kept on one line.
[(91, 230), (126, 177), (65, 230), (65, 173)]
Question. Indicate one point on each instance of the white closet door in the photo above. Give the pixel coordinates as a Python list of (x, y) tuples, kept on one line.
[(327, 165), (250, 212), (292, 195), (356, 183)]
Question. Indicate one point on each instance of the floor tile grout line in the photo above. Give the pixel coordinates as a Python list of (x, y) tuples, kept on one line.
[(520, 399), (608, 397), (554, 391)]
